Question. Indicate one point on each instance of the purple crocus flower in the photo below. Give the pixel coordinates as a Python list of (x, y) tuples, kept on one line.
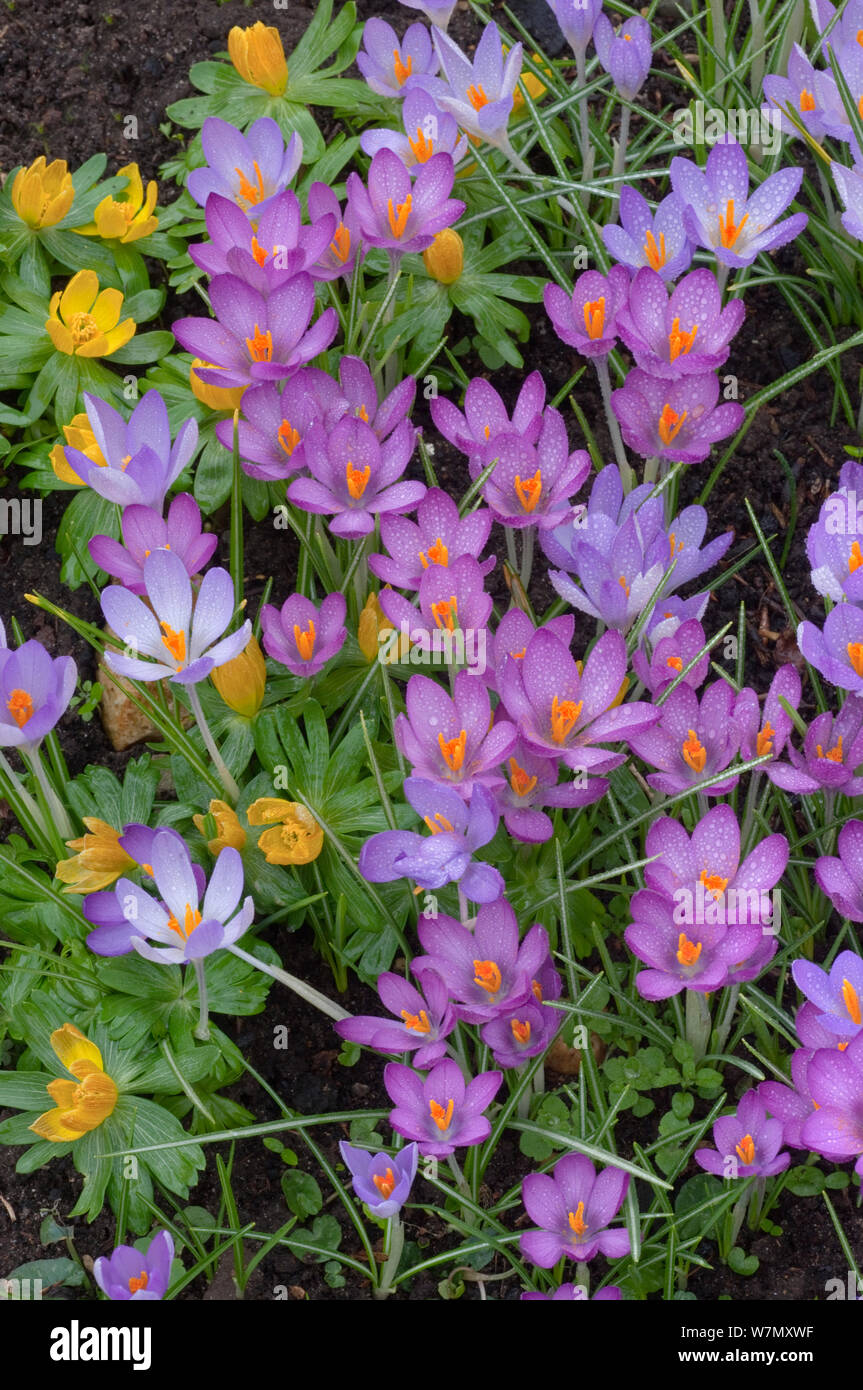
[(381, 1181), (427, 131), (532, 483), (360, 398), (691, 741), (438, 11), (675, 420), (447, 738), (180, 640), (835, 1081), (275, 420), (514, 631), (144, 531), (486, 417), (524, 1033), (452, 598), (532, 784), (35, 690), (387, 61), (399, 213), (791, 1105), (574, 1207), (439, 1111), (797, 90), (574, 1293), (128, 1275), (681, 334), (747, 1143), (339, 257), (302, 636), (842, 878), (837, 651), (833, 541), (183, 927), (425, 1019), (644, 238), (104, 911), (838, 996), (254, 338), (682, 954), (767, 731), (625, 55), (477, 93), (487, 971), (445, 856), (722, 217), (142, 463), (439, 536), (249, 169), (354, 477), (850, 185), (587, 319), (832, 752), (576, 19), (658, 663), (266, 253), (565, 713)]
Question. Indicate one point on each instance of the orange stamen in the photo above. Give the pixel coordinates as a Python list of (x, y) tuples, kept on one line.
[(452, 750), (675, 662), (401, 70), (175, 642), (141, 1282), (248, 192), (438, 824), (537, 991), (694, 752), (260, 346), (357, 479), (714, 883), (417, 1023), (477, 97), (520, 1031), (192, 919), (851, 1000), (528, 491), (855, 656), (288, 437), (670, 423), (441, 1117), (398, 216), (305, 640), (680, 341), (594, 317), (422, 146), (520, 781), (437, 554), (807, 101), (577, 1221), (834, 754), (729, 231), (564, 716), (341, 243), (746, 1150), (385, 1184), (487, 976), (259, 252), (764, 741), (855, 559), (656, 256), (623, 584), (20, 706), (445, 613), (687, 951)]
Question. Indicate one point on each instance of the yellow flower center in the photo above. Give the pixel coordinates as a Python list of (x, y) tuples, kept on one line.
[(20, 706), (83, 328), (385, 1184)]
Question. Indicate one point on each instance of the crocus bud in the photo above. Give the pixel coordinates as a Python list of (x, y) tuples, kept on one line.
[(43, 194), (259, 58), (444, 259), (372, 623), (241, 682), (80, 436), (223, 824), (216, 397)]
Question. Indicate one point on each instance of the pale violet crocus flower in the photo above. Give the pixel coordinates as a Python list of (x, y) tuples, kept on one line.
[(850, 185), (478, 92), (141, 464)]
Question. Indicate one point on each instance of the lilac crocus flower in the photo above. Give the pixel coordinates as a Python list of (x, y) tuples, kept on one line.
[(797, 90), (532, 483), (722, 217), (427, 131), (264, 254), (767, 731), (439, 536), (574, 1207), (35, 690), (381, 1181), (144, 531), (128, 1275), (691, 741), (833, 541), (524, 1033), (675, 420), (399, 213), (681, 334), (587, 319), (254, 338), (249, 169), (452, 599), (445, 856), (340, 256), (681, 954), (791, 1105), (142, 463), (439, 13), (439, 1111), (478, 93), (354, 477), (842, 878), (573, 1293), (657, 240), (514, 631), (576, 19), (625, 55), (387, 61), (850, 185), (302, 636), (838, 996), (747, 1143), (425, 1019), (112, 934), (359, 397), (565, 713), (832, 753), (275, 420), (486, 417), (179, 639), (183, 927), (837, 651), (531, 785), (487, 971), (448, 739), (835, 1080), (657, 664)]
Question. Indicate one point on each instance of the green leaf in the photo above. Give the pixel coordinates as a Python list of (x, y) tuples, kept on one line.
[(742, 1263), (302, 1193), (50, 1273)]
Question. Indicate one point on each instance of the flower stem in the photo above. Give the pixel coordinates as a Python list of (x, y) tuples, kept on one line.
[(527, 537), (22, 803), (57, 823), (395, 1242), (227, 780), (311, 996), (620, 156), (202, 1027), (697, 1022), (626, 473)]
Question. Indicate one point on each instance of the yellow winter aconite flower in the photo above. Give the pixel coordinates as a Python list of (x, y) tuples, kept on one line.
[(373, 621), (82, 1104), (85, 322), (444, 259), (259, 58), (43, 194), (295, 836), (535, 89), (129, 216), (100, 859), (241, 682), (78, 436), (229, 832), (216, 397)]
